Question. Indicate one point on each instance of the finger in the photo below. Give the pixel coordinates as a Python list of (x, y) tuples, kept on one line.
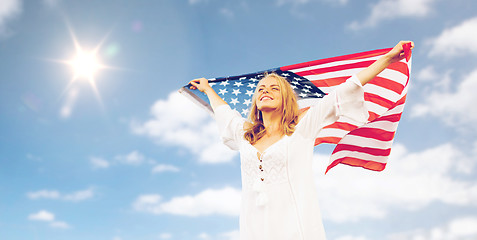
[(195, 80), (194, 84)]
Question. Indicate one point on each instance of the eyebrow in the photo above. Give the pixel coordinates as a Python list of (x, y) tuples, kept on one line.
[(273, 85)]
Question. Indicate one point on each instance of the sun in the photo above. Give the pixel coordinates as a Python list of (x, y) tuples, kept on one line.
[(85, 65)]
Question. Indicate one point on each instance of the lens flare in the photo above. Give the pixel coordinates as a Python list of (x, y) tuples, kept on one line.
[(85, 65)]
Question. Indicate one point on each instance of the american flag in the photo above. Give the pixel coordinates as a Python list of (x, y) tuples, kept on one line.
[(367, 146)]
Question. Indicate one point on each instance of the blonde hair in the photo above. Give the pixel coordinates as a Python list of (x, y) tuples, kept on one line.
[(289, 110)]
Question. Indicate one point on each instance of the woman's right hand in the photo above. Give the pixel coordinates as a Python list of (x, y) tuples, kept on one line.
[(203, 85), (200, 83)]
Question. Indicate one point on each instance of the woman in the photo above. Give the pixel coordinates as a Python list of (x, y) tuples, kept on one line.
[(279, 198)]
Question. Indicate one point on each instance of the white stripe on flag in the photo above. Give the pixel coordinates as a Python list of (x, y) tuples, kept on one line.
[(359, 155)]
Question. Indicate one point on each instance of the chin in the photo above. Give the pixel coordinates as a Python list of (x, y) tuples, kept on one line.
[(267, 108)]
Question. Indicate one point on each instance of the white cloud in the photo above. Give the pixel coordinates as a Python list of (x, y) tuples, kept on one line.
[(392, 9), (46, 216), (53, 194), (455, 41), (165, 168), (79, 195), (133, 158), (226, 12), (463, 228), (204, 236), (59, 224), (178, 122), (98, 163), (224, 201), (9, 9), (49, 194), (412, 180), (165, 236), (42, 215), (456, 108), (34, 158), (427, 74)]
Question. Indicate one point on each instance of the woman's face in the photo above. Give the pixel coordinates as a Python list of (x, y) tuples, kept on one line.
[(269, 97)]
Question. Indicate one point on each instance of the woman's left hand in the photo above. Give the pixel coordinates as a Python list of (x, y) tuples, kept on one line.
[(397, 53)]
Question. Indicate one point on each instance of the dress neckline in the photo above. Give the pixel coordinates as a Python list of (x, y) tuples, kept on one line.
[(269, 147)]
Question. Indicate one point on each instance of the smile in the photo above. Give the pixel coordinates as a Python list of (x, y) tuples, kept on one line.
[(266, 98)]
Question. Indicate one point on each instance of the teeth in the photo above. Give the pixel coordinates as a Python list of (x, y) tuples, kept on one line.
[(269, 98)]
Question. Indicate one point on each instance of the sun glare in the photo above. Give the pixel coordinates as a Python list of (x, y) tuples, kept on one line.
[(85, 65)]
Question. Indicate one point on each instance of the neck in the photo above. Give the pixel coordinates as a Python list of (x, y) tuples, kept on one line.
[(272, 122)]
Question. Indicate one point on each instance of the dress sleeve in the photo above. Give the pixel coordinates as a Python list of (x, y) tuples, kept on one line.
[(347, 100), (230, 125)]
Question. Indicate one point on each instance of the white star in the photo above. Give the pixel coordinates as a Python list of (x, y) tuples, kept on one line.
[(247, 102), (238, 83), (254, 79), (249, 93), (318, 94), (302, 95), (223, 91), (242, 78), (296, 78), (212, 84), (236, 91), (308, 86), (295, 82), (245, 111), (293, 86), (251, 85), (285, 74), (305, 90), (225, 83), (234, 101)]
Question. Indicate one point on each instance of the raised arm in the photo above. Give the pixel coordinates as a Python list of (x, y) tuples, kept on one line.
[(395, 55), (203, 85)]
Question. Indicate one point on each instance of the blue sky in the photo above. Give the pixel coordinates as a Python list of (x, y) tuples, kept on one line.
[(132, 159)]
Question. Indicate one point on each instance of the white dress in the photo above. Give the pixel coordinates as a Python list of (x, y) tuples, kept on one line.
[(279, 196)]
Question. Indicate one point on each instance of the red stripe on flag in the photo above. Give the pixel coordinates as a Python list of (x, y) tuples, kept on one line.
[(363, 64), (387, 84), (342, 125), (368, 150), (330, 82), (370, 97), (401, 101), (372, 116), (331, 140), (356, 162), (339, 58), (390, 118), (373, 133), (400, 67)]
